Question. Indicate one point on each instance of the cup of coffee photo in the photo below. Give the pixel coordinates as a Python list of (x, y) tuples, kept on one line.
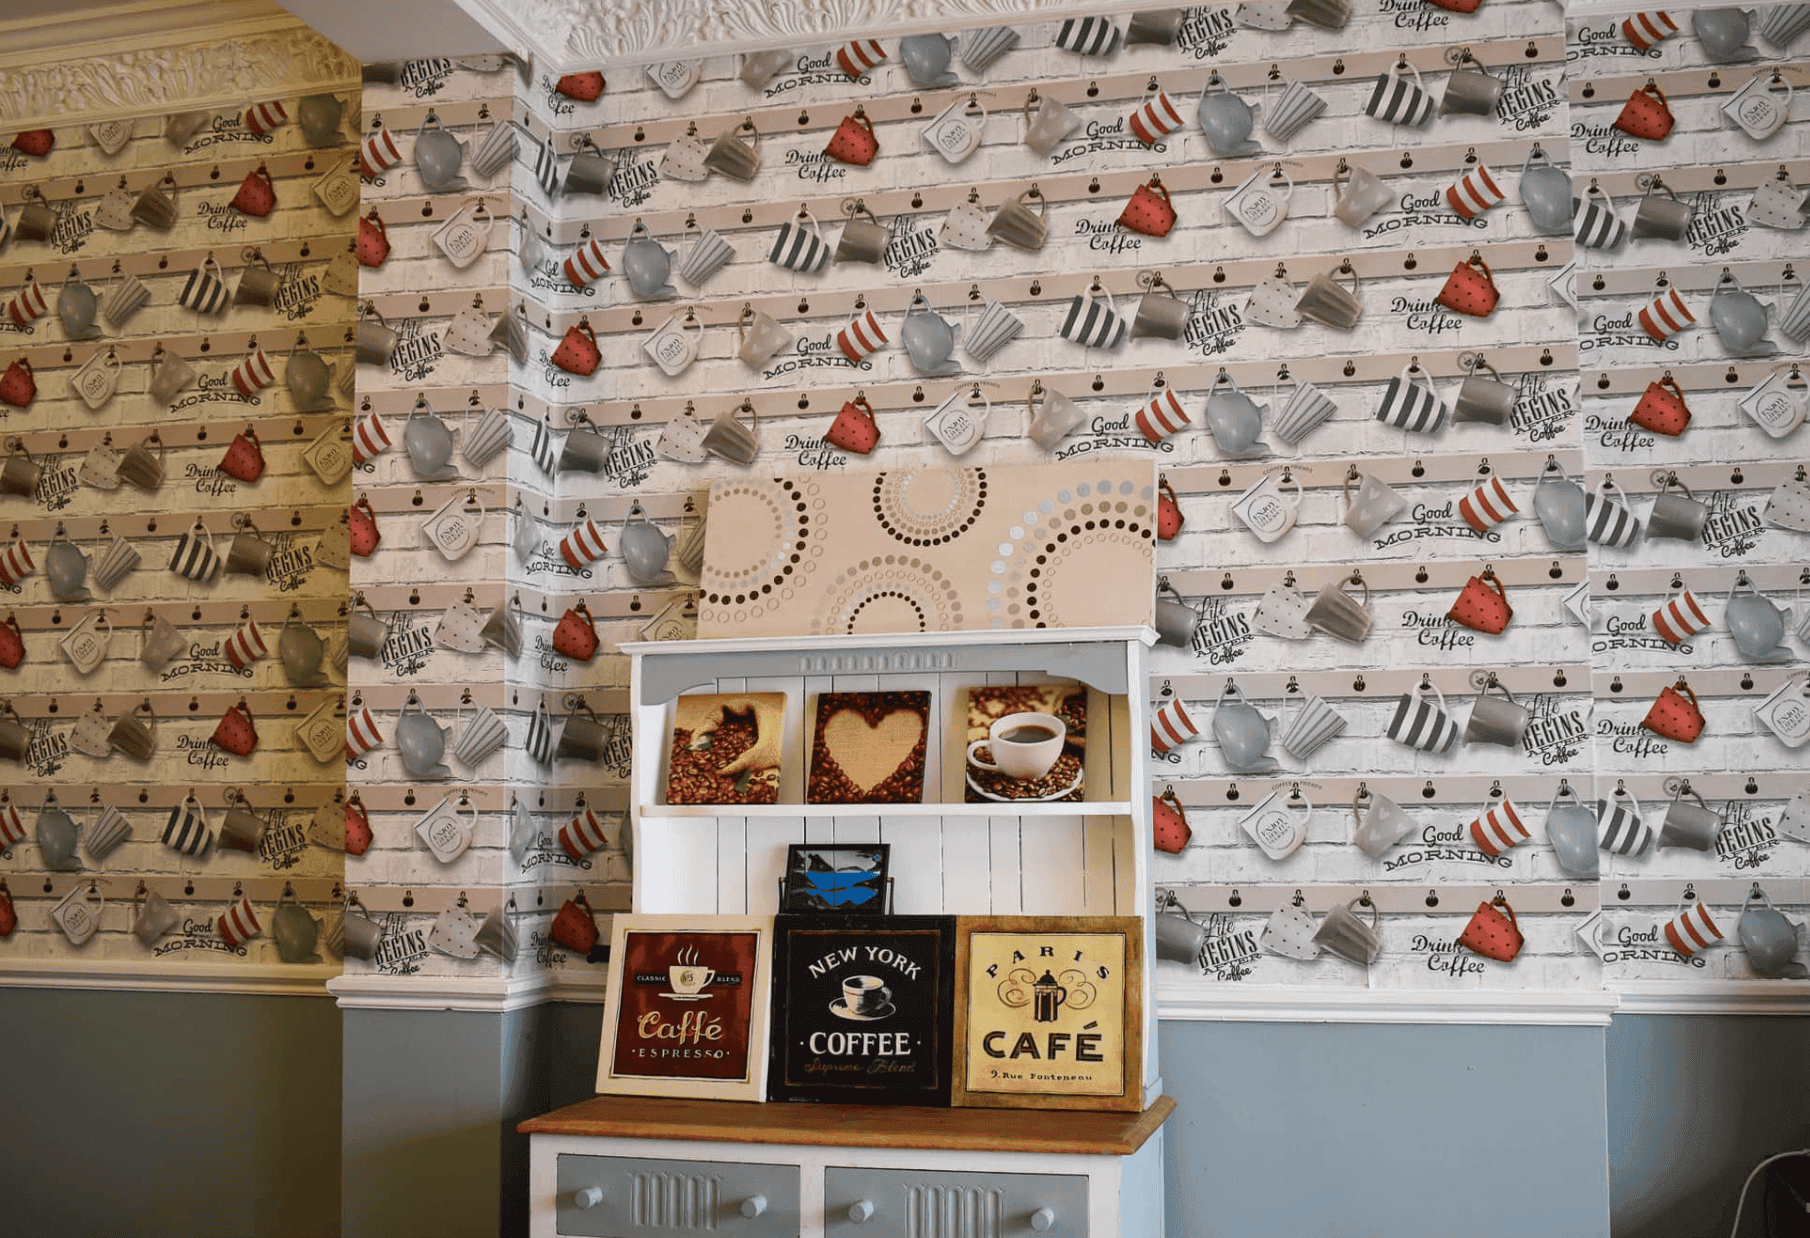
[(1023, 745)]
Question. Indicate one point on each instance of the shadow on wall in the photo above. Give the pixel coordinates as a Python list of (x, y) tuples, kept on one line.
[(1695, 1102), (1368, 1131)]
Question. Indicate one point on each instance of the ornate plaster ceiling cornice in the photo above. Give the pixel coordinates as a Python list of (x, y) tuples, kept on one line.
[(564, 35), (161, 57)]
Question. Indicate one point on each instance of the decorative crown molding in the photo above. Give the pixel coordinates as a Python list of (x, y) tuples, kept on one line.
[(160, 57), (565, 35)]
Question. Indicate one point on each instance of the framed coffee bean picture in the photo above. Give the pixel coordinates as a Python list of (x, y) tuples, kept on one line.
[(868, 748), (863, 1009)]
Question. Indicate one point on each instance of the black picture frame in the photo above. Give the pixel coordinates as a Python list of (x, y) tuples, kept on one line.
[(863, 1009), (819, 879)]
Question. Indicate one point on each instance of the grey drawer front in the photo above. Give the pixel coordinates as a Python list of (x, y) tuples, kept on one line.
[(645, 1198), (912, 1203)]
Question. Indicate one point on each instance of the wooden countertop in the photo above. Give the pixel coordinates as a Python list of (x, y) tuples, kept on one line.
[(856, 1126)]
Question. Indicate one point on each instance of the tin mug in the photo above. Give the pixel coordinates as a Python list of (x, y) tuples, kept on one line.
[(1175, 620), (376, 341), (1496, 719), (1161, 315), (583, 738), (1677, 515), (1484, 398), (258, 284), (1664, 218), (1470, 89), (249, 554), (864, 238), (1689, 825), (365, 632), (1178, 938), (19, 475), (584, 450)]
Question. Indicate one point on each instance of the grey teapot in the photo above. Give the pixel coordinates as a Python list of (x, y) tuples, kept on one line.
[(438, 155), (56, 838), (1739, 318), (1226, 119), (1724, 34), (319, 117), (1571, 829), (1234, 419), (926, 58), (76, 306), (66, 568), (301, 651), (1757, 625), (929, 339), (647, 264), (645, 549), (1243, 733), (1546, 192), (294, 930), (429, 443), (422, 741), (1559, 503), (1769, 939), (309, 378)]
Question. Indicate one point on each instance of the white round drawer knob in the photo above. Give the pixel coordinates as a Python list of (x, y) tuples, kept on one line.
[(860, 1210), (753, 1206), (587, 1197), (1043, 1220)]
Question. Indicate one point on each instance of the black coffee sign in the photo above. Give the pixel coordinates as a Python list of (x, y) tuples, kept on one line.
[(863, 1009)]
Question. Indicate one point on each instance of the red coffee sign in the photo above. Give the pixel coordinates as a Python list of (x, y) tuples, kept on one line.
[(687, 1004)]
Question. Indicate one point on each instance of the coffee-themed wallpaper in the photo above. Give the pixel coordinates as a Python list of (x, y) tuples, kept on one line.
[(1465, 346)]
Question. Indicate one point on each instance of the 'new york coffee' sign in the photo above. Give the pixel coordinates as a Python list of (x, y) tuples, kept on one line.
[(862, 1009)]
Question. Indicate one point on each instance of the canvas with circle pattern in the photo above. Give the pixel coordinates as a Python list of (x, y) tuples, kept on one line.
[(936, 549)]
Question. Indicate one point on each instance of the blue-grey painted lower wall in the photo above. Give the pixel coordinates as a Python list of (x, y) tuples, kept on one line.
[(169, 1115), (182, 1114), (1367, 1131), (1695, 1102)]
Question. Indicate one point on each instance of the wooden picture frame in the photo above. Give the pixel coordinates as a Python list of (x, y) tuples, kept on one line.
[(1022, 1040), (688, 1008), (820, 879)]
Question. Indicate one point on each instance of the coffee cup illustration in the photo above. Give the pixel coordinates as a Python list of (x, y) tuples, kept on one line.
[(863, 997), (688, 977)]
